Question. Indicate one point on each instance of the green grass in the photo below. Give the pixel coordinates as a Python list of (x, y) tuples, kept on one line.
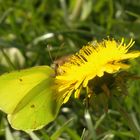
[(32, 30)]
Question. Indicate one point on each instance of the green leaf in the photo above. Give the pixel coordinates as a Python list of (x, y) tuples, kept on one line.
[(65, 128)]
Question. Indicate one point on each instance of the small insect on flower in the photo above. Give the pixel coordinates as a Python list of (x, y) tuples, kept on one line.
[(93, 60)]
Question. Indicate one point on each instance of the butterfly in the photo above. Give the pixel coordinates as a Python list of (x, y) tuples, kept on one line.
[(28, 98)]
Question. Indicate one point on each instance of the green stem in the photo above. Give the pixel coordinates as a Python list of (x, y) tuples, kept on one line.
[(12, 66)]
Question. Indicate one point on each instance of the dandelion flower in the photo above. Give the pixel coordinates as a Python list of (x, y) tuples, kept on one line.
[(93, 60)]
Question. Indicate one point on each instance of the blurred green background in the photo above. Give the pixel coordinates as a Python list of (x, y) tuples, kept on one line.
[(38, 32)]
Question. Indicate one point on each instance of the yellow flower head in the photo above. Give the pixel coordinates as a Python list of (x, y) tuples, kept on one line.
[(92, 60)]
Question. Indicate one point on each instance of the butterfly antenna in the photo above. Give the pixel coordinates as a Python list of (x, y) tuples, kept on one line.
[(60, 47), (49, 48)]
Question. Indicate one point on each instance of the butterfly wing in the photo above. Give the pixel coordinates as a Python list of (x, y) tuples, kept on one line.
[(24, 94), (33, 113)]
